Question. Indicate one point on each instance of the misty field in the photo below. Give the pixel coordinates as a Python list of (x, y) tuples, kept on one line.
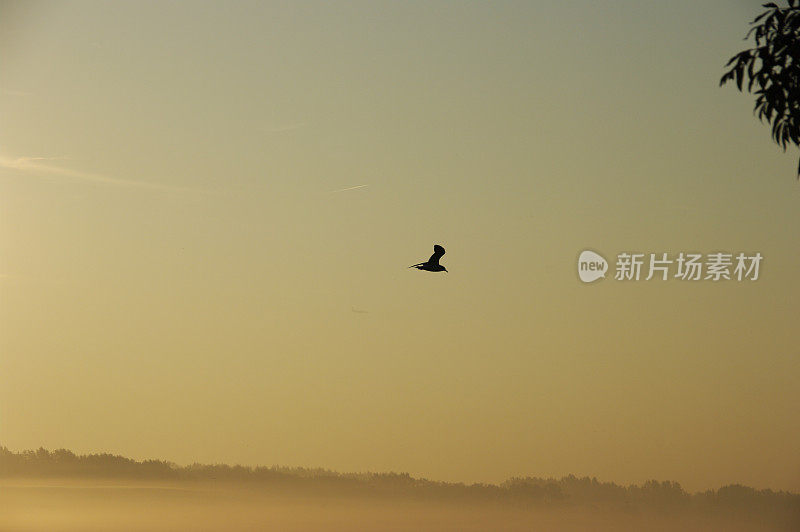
[(61, 505), (60, 491)]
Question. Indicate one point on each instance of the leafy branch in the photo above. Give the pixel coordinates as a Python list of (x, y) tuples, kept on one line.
[(772, 68)]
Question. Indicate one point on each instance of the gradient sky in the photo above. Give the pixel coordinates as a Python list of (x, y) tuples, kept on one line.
[(182, 277)]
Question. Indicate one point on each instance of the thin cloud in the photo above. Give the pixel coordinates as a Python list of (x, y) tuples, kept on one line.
[(27, 160), (33, 164), (348, 188)]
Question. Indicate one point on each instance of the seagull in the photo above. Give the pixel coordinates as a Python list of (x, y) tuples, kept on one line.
[(433, 263)]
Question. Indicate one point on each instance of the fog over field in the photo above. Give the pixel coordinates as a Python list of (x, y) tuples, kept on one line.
[(59, 491)]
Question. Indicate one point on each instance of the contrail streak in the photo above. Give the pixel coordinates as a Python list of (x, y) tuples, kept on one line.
[(349, 188)]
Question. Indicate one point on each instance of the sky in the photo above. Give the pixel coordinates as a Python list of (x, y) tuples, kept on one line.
[(208, 210)]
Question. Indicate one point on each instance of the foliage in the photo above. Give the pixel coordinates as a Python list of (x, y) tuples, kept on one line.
[(772, 68)]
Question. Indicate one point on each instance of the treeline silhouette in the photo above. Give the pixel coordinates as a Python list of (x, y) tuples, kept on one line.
[(569, 490)]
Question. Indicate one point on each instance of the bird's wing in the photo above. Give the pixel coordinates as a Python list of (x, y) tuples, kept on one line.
[(438, 251)]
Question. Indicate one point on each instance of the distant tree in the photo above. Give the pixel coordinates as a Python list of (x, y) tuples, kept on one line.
[(766, 506), (773, 69)]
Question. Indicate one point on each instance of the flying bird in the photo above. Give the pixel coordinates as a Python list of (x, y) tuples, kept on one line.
[(433, 263)]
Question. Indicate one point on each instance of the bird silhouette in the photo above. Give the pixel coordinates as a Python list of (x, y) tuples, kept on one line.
[(433, 263)]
